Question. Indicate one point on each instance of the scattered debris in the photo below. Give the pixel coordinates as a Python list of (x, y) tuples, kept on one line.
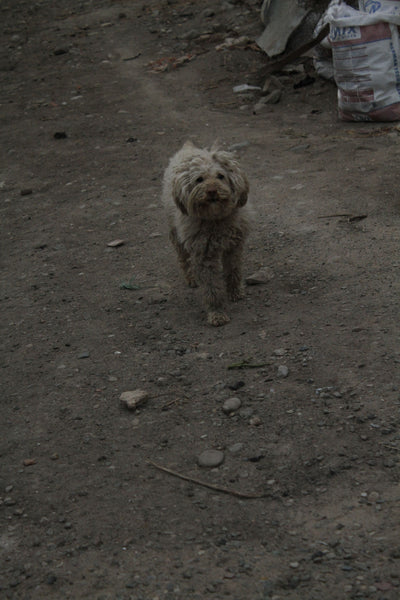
[(308, 80), (28, 462), (245, 87), (60, 135), (351, 218), (272, 98), (26, 192), (133, 399), (271, 83), (238, 146), (129, 285), (132, 57), (231, 43), (169, 63), (281, 18), (357, 218), (246, 364), (295, 54)]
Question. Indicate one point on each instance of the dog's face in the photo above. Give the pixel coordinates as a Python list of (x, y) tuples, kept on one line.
[(209, 184)]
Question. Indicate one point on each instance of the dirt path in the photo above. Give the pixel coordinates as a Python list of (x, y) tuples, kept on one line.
[(88, 126)]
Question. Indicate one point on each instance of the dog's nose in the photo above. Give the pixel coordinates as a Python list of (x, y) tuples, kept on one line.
[(212, 194)]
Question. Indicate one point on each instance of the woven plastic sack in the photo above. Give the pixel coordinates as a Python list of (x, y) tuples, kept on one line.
[(366, 62)]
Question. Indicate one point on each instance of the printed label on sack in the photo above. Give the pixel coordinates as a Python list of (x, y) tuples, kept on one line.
[(344, 34), (371, 6)]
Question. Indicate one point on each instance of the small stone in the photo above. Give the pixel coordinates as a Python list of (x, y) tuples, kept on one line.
[(115, 243), (294, 565), (26, 192), (280, 352), (28, 462), (273, 97), (373, 497), (231, 405), (9, 501), (384, 586), (238, 146), (235, 448), (133, 399), (271, 83), (283, 371), (211, 458), (263, 275), (247, 412), (255, 421), (300, 147), (84, 354), (259, 107)]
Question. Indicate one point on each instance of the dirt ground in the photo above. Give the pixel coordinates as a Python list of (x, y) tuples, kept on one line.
[(95, 98)]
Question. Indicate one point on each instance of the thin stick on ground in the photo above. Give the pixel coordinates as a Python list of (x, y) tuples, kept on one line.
[(211, 486)]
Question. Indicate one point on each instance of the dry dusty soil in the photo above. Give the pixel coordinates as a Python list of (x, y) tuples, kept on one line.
[(95, 98)]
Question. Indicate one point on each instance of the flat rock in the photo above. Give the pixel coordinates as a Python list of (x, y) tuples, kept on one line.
[(231, 405), (263, 275), (210, 458), (283, 371), (134, 398)]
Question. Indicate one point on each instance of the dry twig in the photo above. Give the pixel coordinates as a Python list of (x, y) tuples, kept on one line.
[(216, 488)]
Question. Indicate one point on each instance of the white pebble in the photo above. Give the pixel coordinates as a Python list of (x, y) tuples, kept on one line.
[(283, 371), (133, 399), (231, 404), (211, 458)]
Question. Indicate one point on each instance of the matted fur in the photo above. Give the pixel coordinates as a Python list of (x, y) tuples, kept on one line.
[(204, 194)]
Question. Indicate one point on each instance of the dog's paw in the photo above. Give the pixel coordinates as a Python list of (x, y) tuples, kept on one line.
[(217, 318)]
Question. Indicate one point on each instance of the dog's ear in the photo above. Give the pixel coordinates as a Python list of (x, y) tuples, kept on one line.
[(237, 178), (240, 185), (188, 145), (177, 196)]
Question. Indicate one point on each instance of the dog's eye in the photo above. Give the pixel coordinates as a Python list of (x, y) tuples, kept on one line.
[(220, 176), (199, 179)]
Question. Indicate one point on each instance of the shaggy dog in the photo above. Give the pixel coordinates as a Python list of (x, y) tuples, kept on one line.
[(204, 193)]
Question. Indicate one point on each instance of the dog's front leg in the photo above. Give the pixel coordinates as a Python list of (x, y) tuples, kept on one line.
[(183, 258), (209, 276), (232, 265)]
